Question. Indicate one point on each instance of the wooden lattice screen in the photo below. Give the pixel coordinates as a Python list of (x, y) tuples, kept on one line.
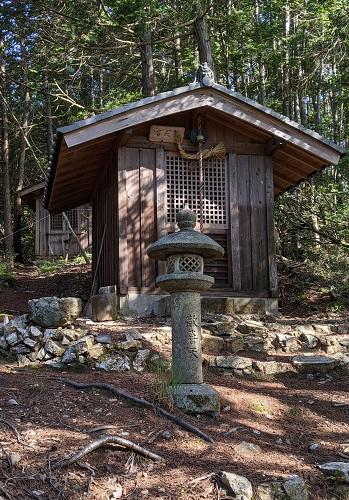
[(183, 188)]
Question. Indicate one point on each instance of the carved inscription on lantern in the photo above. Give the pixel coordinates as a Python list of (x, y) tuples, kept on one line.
[(161, 133), (191, 327)]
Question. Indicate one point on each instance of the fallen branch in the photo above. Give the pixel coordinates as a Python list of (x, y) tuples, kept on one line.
[(97, 443), (13, 429), (140, 401)]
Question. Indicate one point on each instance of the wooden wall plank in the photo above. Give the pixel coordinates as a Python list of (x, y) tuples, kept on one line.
[(132, 167), (161, 200), (148, 219), (269, 195), (122, 223), (234, 226), (258, 224), (244, 221)]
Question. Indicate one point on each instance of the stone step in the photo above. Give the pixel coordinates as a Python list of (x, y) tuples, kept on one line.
[(245, 365)]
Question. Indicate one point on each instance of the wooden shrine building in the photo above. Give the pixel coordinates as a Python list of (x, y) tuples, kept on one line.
[(126, 162), (52, 236)]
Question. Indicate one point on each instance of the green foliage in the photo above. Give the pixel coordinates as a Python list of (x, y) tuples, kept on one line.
[(55, 265), (6, 276)]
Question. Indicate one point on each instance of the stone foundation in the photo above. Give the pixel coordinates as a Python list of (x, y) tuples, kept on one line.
[(107, 305)]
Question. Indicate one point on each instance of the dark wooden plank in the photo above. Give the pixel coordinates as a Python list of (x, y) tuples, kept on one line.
[(148, 219), (244, 221), (133, 217), (269, 196), (161, 204), (122, 223), (258, 224), (234, 226)]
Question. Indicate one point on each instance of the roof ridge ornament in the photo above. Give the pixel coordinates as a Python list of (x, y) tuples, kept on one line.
[(204, 75)]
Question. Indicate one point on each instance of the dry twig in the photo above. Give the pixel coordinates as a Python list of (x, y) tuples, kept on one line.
[(140, 401)]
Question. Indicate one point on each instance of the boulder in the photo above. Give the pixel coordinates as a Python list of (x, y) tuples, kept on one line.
[(53, 311), (211, 343), (69, 356), (239, 486), (295, 488), (246, 448), (83, 345), (272, 367), (129, 345), (314, 364), (221, 329), (251, 326), (17, 325), (338, 471), (12, 339), (96, 351), (231, 362)]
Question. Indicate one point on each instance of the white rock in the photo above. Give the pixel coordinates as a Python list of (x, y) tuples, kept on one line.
[(295, 488), (239, 486), (12, 339), (140, 360), (53, 348), (114, 363), (133, 335)]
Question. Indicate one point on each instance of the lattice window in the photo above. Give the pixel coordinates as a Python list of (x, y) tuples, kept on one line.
[(190, 264), (183, 188), (170, 265), (56, 222), (73, 217)]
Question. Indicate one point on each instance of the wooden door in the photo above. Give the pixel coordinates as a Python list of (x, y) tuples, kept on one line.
[(138, 169)]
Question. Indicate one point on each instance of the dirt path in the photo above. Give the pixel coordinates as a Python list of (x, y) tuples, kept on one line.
[(49, 417)]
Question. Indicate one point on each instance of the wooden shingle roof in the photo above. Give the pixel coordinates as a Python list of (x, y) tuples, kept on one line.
[(82, 149)]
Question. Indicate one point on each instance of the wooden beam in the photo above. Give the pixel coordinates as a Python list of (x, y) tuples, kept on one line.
[(273, 144), (269, 194)]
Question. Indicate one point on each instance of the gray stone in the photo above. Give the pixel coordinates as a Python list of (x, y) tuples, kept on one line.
[(3, 343), (211, 343), (104, 307), (272, 367), (129, 345), (257, 343), (12, 339), (314, 364), (234, 344), (133, 335), (305, 330), (250, 326), (18, 324), (139, 362), (83, 345), (287, 343), (158, 364), (104, 338), (343, 328), (23, 360), (114, 363), (20, 349), (271, 490), (54, 312), (65, 341), (295, 488), (96, 351), (237, 485), (30, 342), (221, 329), (53, 333), (337, 470), (232, 362), (41, 354), (53, 348), (195, 398), (246, 448), (311, 341), (53, 363), (35, 332), (69, 356)]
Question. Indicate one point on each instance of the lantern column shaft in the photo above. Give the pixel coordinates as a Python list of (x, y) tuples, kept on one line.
[(186, 338)]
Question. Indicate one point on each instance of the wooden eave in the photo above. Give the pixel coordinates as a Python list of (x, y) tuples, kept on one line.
[(29, 194), (84, 148)]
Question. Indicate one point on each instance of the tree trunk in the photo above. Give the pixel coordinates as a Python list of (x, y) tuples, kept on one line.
[(178, 60), (48, 116), (148, 79), (203, 37), (8, 236), (17, 237)]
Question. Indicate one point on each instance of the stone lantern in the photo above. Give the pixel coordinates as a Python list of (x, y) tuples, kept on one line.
[(184, 252)]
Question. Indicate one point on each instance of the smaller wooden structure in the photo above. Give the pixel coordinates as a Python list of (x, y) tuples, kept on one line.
[(52, 236)]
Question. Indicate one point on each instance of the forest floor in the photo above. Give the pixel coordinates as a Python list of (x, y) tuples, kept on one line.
[(283, 416)]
